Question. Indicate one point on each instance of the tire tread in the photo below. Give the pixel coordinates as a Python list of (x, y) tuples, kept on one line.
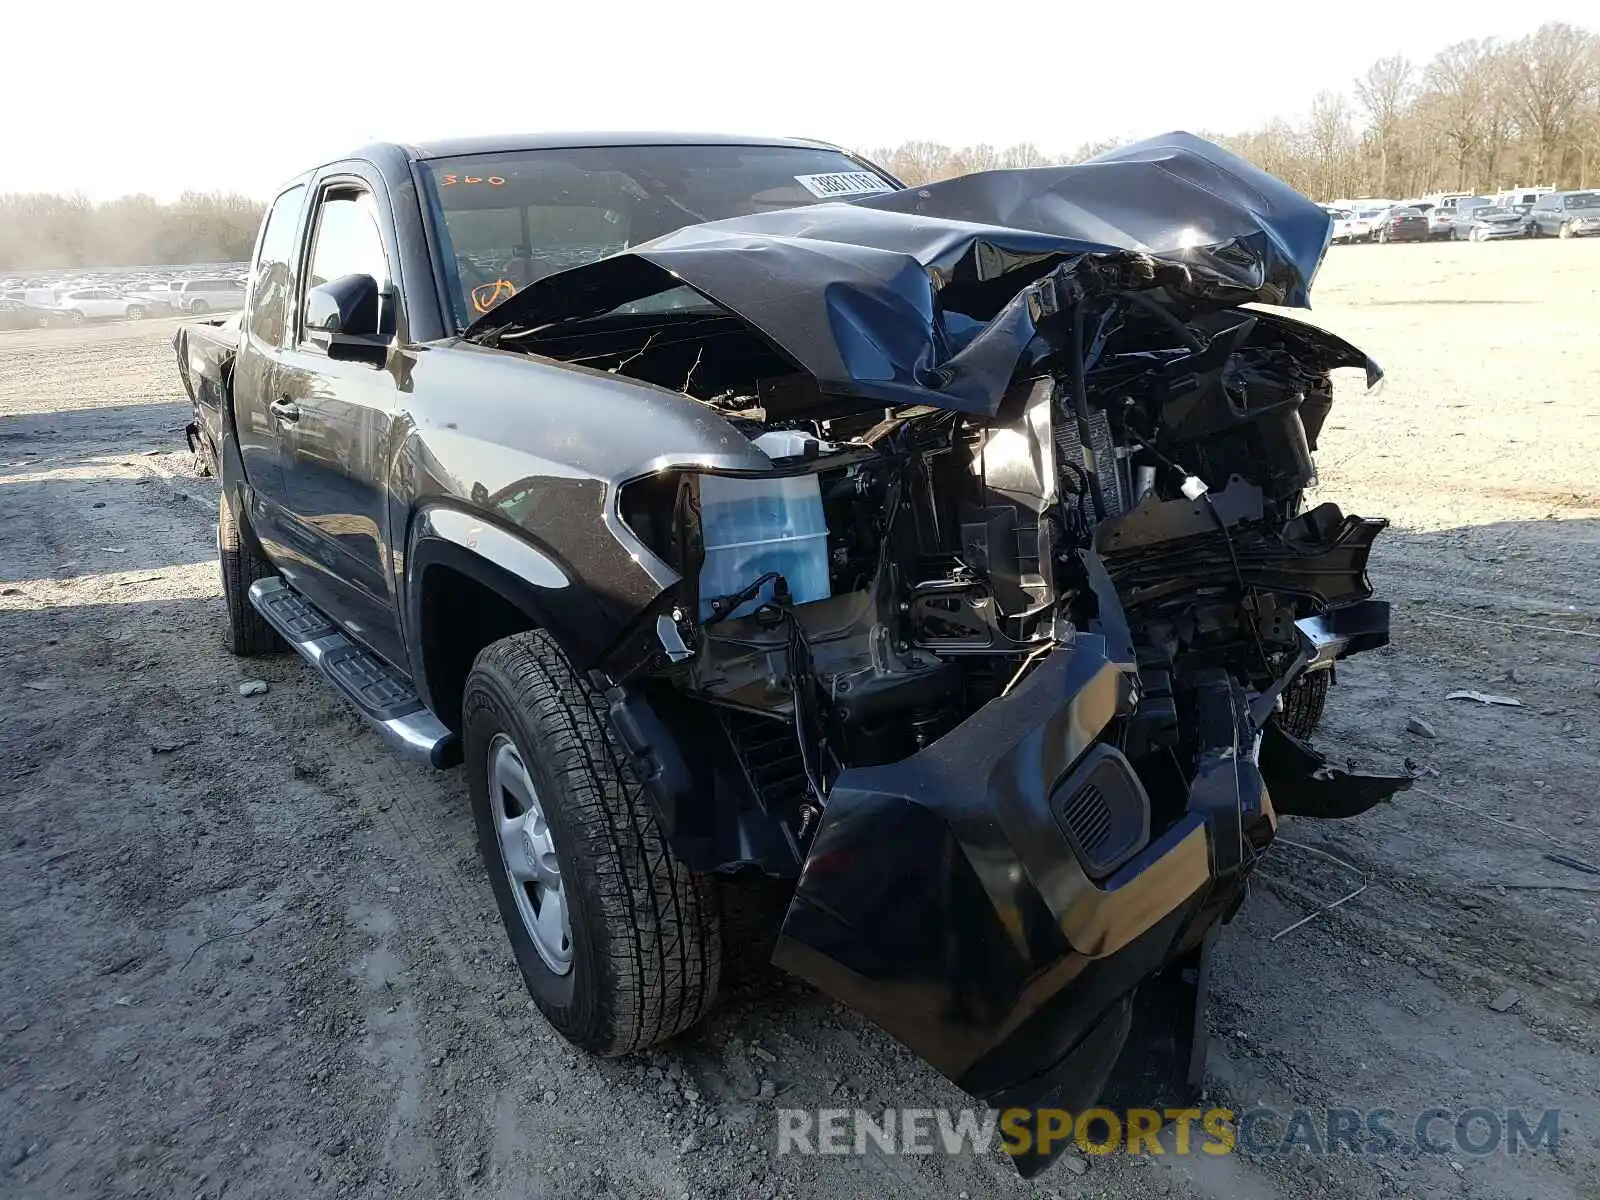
[(249, 634), (660, 930)]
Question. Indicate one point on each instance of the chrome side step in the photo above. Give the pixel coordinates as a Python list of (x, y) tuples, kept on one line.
[(384, 698)]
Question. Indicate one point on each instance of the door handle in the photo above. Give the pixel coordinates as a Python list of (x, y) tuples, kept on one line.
[(285, 409)]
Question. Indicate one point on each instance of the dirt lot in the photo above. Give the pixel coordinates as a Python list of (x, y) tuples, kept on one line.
[(248, 953)]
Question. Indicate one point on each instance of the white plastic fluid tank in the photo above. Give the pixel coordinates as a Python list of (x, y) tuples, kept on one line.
[(752, 526)]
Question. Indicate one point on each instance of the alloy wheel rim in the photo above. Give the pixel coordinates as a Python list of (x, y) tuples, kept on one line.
[(528, 854)]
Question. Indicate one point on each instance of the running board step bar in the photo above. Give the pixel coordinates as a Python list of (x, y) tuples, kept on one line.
[(384, 698)]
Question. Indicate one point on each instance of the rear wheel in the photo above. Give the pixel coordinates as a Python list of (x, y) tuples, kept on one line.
[(1566, 231), (619, 943), (78, 317), (242, 564), (135, 312)]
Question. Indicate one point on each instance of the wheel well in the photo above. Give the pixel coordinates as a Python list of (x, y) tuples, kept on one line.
[(460, 615)]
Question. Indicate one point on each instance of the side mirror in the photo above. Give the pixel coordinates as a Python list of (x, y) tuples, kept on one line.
[(348, 306)]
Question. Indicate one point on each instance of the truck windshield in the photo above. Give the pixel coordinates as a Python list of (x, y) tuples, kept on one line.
[(507, 219)]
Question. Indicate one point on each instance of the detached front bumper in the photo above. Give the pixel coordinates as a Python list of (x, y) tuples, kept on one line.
[(995, 900)]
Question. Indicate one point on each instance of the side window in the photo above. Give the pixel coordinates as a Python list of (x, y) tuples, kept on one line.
[(347, 240), (272, 278)]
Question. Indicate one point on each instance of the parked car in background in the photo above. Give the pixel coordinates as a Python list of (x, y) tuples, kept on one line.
[(1361, 222), (1402, 223), (1565, 214), (1488, 222), (1342, 222), (1461, 215), (1440, 219), (157, 294), (213, 294), (101, 303), (19, 314)]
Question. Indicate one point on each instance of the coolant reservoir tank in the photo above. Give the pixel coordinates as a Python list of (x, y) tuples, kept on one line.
[(752, 526)]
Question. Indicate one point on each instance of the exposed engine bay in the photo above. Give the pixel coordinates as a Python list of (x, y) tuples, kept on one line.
[(1153, 496)]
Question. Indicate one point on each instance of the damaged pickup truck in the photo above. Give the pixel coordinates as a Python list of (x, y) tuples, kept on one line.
[(730, 511)]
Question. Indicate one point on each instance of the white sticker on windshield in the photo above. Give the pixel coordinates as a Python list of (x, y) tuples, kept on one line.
[(842, 183)]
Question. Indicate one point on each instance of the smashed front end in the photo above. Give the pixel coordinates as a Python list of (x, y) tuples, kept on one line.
[(995, 657)]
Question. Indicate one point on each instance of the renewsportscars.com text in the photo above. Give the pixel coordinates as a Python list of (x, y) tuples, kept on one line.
[(1256, 1131)]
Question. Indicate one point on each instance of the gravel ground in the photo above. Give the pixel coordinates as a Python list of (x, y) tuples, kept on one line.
[(247, 952)]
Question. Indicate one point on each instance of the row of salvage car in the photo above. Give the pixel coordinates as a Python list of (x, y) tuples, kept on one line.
[(1530, 214)]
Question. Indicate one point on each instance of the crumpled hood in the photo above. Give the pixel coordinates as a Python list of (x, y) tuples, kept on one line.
[(936, 294)]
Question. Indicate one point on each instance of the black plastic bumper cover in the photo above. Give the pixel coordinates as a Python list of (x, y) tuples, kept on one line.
[(943, 898)]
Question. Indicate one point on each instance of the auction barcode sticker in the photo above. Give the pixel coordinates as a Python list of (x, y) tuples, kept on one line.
[(843, 183)]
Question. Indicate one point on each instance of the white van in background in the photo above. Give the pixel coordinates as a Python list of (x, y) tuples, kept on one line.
[(1521, 199), (215, 294)]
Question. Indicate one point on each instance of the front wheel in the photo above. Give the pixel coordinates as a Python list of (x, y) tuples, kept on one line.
[(135, 312), (1566, 231), (619, 943), (198, 308), (1303, 702), (78, 316)]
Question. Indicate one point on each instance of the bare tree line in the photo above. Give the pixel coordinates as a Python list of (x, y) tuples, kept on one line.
[(39, 231), (1482, 115)]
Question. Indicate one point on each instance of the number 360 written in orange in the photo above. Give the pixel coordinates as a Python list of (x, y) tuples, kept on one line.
[(452, 180)]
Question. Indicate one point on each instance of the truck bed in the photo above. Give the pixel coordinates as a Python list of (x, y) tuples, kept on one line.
[(205, 351)]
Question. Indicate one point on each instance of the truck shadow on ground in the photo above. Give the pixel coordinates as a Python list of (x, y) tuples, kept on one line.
[(157, 422)]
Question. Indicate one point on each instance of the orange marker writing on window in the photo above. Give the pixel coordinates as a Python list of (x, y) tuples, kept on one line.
[(486, 295)]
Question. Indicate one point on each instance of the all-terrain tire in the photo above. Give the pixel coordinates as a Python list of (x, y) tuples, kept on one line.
[(646, 953), (242, 564), (1303, 702)]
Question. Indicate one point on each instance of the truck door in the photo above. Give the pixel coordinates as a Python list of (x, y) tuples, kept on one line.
[(338, 415), (261, 432)]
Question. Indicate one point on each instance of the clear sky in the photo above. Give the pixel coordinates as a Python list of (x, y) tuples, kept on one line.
[(159, 96)]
